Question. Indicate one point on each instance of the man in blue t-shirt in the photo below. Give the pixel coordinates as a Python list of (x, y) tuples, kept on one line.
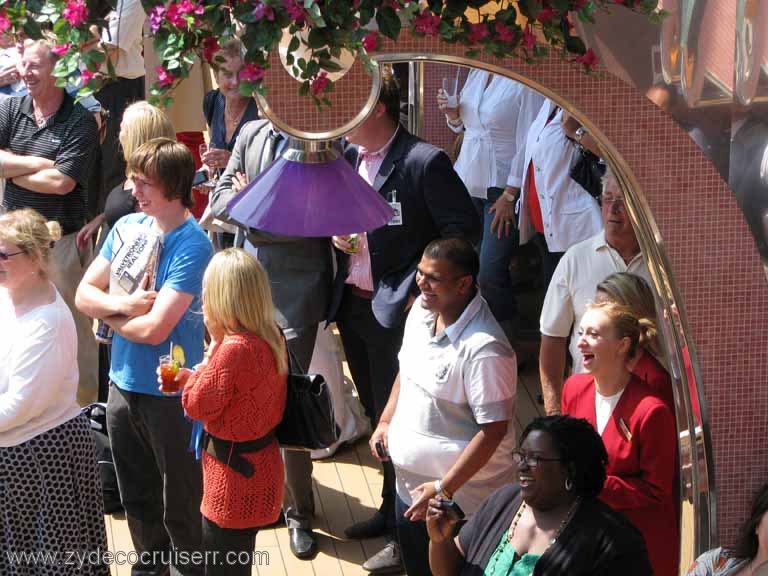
[(159, 478)]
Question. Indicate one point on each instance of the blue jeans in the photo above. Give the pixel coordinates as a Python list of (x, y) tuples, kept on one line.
[(495, 255), (414, 542)]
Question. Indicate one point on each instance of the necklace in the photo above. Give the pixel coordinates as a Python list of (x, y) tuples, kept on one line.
[(511, 532)]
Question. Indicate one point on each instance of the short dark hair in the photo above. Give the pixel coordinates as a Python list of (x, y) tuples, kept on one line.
[(460, 253), (580, 447), (168, 163), (747, 545), (389, 95)]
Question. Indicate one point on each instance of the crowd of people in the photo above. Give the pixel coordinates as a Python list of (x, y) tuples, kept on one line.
[(427, 321)]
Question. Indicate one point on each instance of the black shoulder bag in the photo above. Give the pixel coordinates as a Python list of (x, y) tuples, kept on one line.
[(308, 421), (588, 172)]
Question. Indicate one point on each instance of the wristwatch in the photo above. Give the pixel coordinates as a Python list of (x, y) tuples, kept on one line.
[(441, 492), (509, 197), (580, 131)]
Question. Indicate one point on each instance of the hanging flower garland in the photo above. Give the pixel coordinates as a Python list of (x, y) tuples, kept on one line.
[(185, 29)]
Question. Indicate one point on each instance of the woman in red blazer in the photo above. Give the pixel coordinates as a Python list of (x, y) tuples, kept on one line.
[(239, 394), (637, 428), (632, 291)]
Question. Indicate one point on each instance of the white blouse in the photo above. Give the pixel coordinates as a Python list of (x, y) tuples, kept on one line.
[(496, 118), (38, 370), (568, 212)]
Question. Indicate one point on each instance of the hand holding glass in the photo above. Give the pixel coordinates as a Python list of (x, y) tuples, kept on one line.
[(169, 368), (450, 86)]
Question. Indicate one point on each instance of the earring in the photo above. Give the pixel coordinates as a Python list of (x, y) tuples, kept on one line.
[(568, 484)]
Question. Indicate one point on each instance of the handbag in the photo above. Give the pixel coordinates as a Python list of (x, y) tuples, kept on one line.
[(588, 172), (308, 421)]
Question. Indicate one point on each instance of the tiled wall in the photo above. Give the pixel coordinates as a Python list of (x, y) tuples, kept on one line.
[(713, 257)]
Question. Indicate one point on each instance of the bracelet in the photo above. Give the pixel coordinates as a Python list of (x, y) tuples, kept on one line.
[(441, 491), (579, 134), (455, 123), (509, 197)]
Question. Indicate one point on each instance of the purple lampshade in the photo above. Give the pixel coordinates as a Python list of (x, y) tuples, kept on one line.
[(311, 197)]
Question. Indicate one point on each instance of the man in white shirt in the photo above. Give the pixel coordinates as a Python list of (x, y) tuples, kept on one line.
[(447, 425), (574, 283)]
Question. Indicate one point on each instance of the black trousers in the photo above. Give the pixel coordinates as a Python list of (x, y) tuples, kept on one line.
[(228, 551), (115, 97), (160, 480), (414, 542), (371, 351)]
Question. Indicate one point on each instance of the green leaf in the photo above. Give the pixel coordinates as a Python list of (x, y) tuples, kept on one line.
[(575, 45), (329, 65), (294, 44), (304, 88), (316, 38), (389, 22)]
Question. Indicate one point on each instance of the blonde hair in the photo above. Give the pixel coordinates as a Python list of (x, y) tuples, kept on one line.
[(633, 292), (141, 123), (625, 324), (237, 296), (28, 230)]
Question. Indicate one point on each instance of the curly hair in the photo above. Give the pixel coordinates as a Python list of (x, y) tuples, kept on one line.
[(580, 447)]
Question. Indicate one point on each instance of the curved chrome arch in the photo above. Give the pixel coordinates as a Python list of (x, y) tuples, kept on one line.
[(697, 489)]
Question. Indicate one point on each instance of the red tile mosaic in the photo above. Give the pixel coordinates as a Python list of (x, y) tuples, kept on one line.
[(713, 258)]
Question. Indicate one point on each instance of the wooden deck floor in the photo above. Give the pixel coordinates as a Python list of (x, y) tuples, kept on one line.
[(347, 490)]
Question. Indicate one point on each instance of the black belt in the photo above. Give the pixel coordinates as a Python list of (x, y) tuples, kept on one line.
[(229, 452)]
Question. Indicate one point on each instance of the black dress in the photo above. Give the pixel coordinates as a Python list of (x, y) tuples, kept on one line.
[(598, 541)]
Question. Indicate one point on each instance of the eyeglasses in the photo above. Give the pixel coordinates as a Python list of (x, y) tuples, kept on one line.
[(531, 460), (617, 201), (5, 256)]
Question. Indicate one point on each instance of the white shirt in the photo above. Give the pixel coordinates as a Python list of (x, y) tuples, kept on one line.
[(573, 286), (38, 370), (450, 384), (568, 212), (496, 120), (125, 31), (604, 407)]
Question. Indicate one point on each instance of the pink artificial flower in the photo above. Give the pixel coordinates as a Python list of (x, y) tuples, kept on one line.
[(589, 59), (503, 33), (545, 14), (529, 40), (371, 42), (295, 11), (319, 84), (189, 7), (75, 12), (175, 16), (5, 23), (477, 32), (252, 72), (427, 23), (156, 18), (355, 4), (164, 78), (86, 76), (263, 10), (61, 49), (210, 48)]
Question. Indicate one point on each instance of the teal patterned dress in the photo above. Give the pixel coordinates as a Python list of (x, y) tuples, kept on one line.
[(506, 562)]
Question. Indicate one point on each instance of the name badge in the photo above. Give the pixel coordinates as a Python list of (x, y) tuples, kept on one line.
[(397, 208)]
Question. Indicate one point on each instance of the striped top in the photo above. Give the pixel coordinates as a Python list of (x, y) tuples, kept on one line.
[(69, 138)]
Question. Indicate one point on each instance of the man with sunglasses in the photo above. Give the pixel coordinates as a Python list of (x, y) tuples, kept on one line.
[(574, 283), (448, 423)]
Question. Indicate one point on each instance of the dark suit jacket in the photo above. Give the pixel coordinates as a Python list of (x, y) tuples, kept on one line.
[(299, 269), (434, 202)]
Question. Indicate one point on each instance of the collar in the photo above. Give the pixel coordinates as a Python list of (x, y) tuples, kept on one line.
[(381, 152), (453, 332), (67, 104), (600, 243)]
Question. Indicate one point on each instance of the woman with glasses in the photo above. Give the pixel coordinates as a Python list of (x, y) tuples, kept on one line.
[(548, 523), (50, 495), (637, 428)]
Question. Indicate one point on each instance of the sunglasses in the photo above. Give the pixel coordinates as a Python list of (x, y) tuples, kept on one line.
[(4, 256)]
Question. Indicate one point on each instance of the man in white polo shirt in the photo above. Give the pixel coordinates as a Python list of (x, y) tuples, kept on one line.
[(573, 286), (447, 425)]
